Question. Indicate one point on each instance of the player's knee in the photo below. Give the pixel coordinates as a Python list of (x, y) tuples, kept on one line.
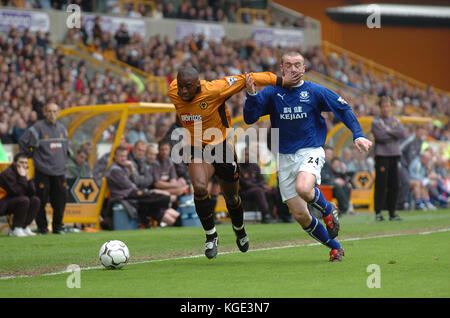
[(231, 200), (303, 190), (200, 188), (200, 192)]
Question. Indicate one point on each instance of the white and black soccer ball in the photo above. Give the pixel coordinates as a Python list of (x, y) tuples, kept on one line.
[(114, 254)]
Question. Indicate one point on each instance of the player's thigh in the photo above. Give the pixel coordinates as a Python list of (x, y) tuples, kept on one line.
[(311, 160), (286, 183), (200, 174)]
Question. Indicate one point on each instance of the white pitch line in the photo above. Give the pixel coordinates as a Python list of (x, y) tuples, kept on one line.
[(232, 252)]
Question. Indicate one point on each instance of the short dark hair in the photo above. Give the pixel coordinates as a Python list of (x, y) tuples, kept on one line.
[(291, 53), (82, 150), (334, 159), (164, 142), (188, 72), (140, 141), (383, 99), (119, 149), (19, 155)]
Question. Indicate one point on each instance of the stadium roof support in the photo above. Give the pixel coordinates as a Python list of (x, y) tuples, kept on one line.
[(394, 14)]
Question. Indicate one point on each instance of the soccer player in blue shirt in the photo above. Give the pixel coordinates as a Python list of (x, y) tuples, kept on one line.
[(296, 112)]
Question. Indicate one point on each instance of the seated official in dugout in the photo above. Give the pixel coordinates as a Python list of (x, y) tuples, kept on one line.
[(200, 105)]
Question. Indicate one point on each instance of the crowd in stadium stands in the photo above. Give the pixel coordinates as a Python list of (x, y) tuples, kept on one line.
[(213, 11), (32, 73), (204, 10)]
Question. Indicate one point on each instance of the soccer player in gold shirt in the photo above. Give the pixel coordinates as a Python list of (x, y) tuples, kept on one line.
[(200, 105)]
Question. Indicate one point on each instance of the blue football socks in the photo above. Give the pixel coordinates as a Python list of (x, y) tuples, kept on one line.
[(320, 203), (318, 232)]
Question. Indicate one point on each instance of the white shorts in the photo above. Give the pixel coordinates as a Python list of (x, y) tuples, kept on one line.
[(307, 159)]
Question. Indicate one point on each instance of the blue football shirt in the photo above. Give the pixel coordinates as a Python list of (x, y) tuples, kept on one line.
[(296, 112)]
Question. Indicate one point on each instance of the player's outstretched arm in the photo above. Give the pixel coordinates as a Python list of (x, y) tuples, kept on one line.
[(231, 85)]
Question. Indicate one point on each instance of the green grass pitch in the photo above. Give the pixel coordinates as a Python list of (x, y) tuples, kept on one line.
[(412, 258)]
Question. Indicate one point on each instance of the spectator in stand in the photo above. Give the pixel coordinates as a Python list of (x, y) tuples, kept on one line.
[(253, 187), (137, 157), (349, 161), (19, 128), (192, 14), (220, 16), (232, 13), (165, 173), (122, 36), (151, 154), (410, 147), (97, 29), (18, 196), (438, 193), (102, 163), (133, 78), (5, 137), (140, 203), (418, 170), (136, 133), (209, 14), (159, 11), (88, 147), (78, 165), (169, 11), (342, 180), (363, 162), (183, 11), (413, 145), (180, 168), (329, 178), (259, 20), (150, 158)]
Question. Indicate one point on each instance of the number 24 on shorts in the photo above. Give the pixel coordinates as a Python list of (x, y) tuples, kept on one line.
[(311, 160)]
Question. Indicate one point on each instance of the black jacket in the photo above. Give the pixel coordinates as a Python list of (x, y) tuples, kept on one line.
[(13, 185), (250, 176)]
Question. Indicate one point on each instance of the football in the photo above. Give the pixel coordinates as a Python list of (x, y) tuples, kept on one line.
[(114, 254)]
